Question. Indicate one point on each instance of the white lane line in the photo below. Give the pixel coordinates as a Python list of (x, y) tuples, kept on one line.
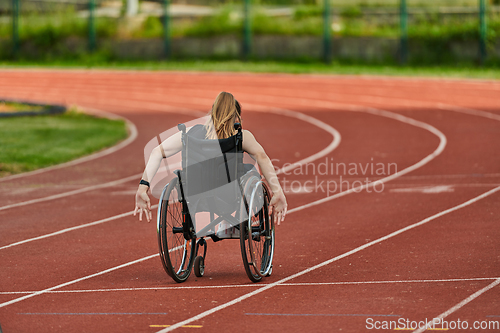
[(85, 278), (473, 112), (427, 159), (77, 280), (132, 136), (471, 175), (429, 189), (314, 121), (386, 282), (334, 144), (462, 303), (296, 284), (115, 217), (404, 186), (134, 289), (443, 106), (381, 239), (78, 191)]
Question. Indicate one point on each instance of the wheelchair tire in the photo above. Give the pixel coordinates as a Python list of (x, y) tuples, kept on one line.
[(176, 253), (257, 233), (199, 266)]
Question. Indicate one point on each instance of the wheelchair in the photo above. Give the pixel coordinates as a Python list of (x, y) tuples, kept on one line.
[(214, 181)]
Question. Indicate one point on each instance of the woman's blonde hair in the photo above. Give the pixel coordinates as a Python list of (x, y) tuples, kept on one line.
[(225, 112)]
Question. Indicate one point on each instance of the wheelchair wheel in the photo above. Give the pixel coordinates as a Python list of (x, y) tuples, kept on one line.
[(199, 266), (176, 252), (257, 233)]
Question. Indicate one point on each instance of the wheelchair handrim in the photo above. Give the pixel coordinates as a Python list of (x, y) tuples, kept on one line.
[(250, 246), (158, 214)]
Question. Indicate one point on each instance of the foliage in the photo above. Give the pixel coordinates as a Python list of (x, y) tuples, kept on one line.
[(151, 27), (351, 12), (302, 12), (225, 22), (304, 25)]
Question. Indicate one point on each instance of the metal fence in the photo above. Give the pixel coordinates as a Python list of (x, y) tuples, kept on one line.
[(34, 27)]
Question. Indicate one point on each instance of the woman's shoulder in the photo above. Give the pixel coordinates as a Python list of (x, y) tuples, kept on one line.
[(248, 138), (247, 135)]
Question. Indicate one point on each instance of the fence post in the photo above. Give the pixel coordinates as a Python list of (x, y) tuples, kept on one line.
[(132, 8), (327, 41), (92, 34), (247, 31), (482, 31), (15, 27), (166, 29), (403, 19)]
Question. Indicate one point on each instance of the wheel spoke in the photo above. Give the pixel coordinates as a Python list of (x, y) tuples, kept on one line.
[(177, 252)]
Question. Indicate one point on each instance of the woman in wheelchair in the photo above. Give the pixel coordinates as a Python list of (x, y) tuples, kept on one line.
[(202, 186)]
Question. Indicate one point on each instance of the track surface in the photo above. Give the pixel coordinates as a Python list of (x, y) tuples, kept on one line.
[(445, 134)]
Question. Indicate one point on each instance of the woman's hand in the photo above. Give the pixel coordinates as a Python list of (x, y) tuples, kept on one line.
[(278, 202), (142, 203)]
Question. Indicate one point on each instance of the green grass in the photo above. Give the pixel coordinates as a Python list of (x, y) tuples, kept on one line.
[(29, 143), (488, 72)]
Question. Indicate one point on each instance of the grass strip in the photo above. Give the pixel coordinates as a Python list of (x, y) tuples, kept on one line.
[(29, 143), (310, 67)]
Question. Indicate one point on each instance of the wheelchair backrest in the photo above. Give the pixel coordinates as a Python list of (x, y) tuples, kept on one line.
[(212, 166)]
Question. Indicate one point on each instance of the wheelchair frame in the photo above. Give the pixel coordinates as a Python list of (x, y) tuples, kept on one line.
[(176, 231)]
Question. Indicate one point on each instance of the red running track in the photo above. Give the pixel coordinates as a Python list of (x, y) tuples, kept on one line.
[(424, 244)]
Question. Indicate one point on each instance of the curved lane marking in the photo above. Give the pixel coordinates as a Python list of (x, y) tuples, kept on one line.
[(111, 218), (73, 192), (301, 116), (404, 119)]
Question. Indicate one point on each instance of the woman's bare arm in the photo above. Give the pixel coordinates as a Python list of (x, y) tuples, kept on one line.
[(170, 146), (278, 202)]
